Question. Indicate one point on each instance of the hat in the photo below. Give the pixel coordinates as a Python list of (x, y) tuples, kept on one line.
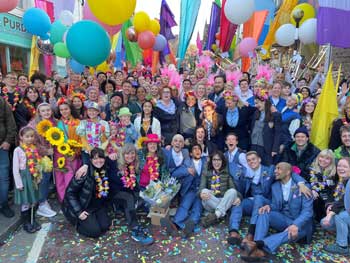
[(93, 105), (302, 130), (152, 138), (124, 111)]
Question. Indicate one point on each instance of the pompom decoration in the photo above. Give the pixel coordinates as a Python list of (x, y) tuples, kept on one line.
[(175, 80), (233, 76), (264, 72), (205, 62), (211, 80)]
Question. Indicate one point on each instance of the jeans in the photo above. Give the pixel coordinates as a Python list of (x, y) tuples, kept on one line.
[(342, 224), (219, 204), (4, 176), (190, 208), (44, 187)]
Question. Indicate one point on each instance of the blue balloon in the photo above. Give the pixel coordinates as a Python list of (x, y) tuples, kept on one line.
[(160, 43), (36, 21), (57, 32), (88, 43), (76, 66), (45, 37)]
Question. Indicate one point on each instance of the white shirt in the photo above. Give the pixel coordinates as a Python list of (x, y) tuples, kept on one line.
[(241, 158), (286, 189), (254, 174), (178, 157), (243, 96), (197, 165)]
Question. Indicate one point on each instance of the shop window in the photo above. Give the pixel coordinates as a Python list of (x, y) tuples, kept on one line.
[(19, 59), (3, 67), (25, 4)]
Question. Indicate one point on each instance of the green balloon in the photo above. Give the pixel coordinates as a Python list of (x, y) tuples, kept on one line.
[(57, 31), (60, 49)]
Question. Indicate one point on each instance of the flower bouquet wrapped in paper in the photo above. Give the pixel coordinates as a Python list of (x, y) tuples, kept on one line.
[(45, 165), (160, 193)]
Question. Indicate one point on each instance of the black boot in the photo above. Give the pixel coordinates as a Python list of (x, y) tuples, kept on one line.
[(6, 210), (35, 223), (27, 226)]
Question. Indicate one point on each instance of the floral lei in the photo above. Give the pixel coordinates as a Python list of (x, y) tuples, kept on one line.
[(215, 183), (119, 138), (70, 121), (93, 135), (129, 176), (16, 99), (102, 186), (315, 184), (339, 191), (29, 106), (33, 157), (153, 167)]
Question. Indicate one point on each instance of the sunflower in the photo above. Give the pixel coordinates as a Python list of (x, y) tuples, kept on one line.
[(74, 143), (43, 126), (61, 162), (55, 136), (63, 148), (140, 141)]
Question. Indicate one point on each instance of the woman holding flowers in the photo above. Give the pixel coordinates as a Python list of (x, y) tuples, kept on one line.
[(27, 177), (67, 158), (93, 131), (85, 202), (151, 161), (42, 122)]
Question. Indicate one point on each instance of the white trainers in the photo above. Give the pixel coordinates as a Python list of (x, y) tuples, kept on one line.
[(45, 210)]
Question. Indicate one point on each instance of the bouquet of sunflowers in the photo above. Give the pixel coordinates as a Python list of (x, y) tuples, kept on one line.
[(160, 193)]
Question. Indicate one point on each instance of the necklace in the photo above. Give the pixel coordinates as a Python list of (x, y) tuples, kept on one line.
[(33, 158), (129, 177), (215, 183), (153, 167), (16, 98), (30, 107), (339, 191), (93, 133), (102, 186)]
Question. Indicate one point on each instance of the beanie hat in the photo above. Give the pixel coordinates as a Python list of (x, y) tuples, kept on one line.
[(302, 130)]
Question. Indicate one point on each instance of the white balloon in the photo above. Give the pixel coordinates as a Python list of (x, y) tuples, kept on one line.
[(67, 18), (285, 35), (238, 11), (308, 31)]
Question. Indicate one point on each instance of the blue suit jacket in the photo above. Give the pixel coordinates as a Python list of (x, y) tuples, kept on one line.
[(170, 163), (280, 105), (220, 104), (267, 178), (237, 172), (300, 207)]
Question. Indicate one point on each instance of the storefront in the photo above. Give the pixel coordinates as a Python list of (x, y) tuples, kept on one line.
[(15, 44)]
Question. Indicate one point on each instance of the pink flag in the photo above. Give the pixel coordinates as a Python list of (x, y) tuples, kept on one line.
[(199, 44)]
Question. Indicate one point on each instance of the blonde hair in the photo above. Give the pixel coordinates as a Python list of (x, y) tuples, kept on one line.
[(127, 148), (331, 169)]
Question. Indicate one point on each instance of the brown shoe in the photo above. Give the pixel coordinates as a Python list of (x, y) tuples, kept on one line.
[(249, 247), (248, 238), (234, 238), (209, 220), (169, 226), (253, 254)]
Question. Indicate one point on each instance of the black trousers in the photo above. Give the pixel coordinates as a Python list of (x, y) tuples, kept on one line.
[(319, 209), (96, 224), (127, 201)]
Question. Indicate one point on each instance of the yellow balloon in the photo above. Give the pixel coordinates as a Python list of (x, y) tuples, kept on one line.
[(113, 12), (141, 22), (214, 47), (103, 67), (154, 27), (309, 12)]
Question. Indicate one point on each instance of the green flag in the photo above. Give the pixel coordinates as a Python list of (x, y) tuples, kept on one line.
[(132, 50)]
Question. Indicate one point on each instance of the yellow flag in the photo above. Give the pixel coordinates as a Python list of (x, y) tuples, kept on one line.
[(34, 57), (325, 113), (282, 17)]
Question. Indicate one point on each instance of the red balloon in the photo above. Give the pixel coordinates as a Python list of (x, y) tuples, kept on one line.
[(131, 34), (146, 39)]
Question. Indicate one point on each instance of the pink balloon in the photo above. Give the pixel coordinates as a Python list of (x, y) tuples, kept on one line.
[(146, 39), (8, 5), (247, 46), (87, 14)]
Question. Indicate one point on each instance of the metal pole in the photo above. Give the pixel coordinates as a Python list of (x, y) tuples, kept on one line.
[(328, 58)]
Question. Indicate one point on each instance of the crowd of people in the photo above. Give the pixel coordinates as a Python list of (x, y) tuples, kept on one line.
[(239, 147)]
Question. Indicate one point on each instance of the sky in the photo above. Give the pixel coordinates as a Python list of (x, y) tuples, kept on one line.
[(152, 8)]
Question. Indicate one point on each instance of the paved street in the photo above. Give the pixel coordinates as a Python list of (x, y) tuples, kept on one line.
[(58, 242)]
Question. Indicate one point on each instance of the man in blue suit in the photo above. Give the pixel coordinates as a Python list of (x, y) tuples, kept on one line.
[(174, 160), (190, 208), (216, 96), (255, 186), (275, 98), (290, 213)]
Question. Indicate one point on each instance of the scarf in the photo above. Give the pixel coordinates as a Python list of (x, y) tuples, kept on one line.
[(171, 108)]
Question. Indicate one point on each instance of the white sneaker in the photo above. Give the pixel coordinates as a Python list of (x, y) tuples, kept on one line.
[(45, 210)]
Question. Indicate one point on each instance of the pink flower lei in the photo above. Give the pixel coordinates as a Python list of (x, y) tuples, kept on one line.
[(129, 176), (153, 167)]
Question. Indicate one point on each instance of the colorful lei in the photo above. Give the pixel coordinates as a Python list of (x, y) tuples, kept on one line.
[(102, 186), (16, 98), (153, 167), (339, 191), (33, 158), (129, 177), (315, 184), (215, 183), (30, 107), (93, 135)]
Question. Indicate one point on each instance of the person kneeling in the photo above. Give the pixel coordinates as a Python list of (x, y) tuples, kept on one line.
[(85, 199)]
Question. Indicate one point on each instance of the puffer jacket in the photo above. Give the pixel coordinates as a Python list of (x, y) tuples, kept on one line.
[(7, 123), (78, 196)]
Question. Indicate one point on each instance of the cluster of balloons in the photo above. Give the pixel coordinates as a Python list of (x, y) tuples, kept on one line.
[(8, 5), (306, 33), (146, 32), (238, 11)]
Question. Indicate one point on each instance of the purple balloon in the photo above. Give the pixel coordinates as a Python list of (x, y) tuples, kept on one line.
[(160, 43)]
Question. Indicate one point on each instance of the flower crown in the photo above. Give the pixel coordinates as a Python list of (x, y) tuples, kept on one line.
[(81, 96), (190, 94), (233, 76), (210, 103), (262, 94), (62, 100), (229, 95)]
